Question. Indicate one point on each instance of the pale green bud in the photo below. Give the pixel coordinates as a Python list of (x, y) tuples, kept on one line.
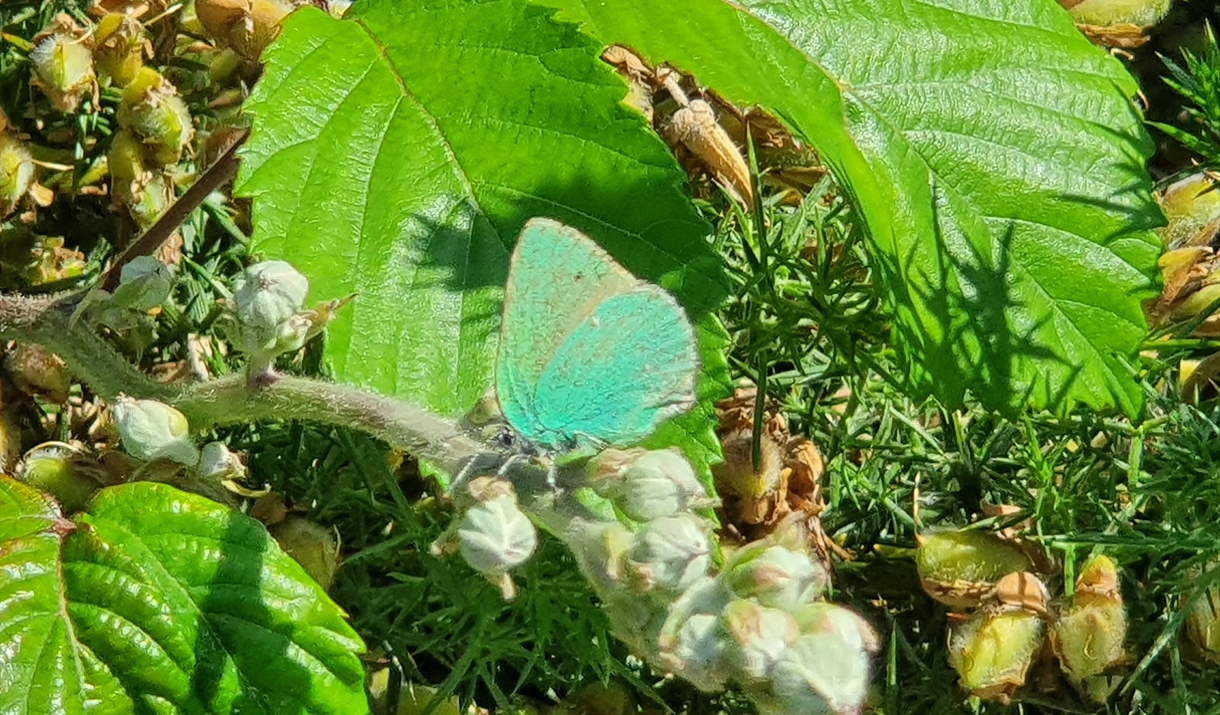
[(151, 430), (825, 670), (647, 484), (495, 536), (758, 636), (152, 109), (269, 298), (670, 553), (1088, 635), (777, 576), (63, 63), (144, 284)]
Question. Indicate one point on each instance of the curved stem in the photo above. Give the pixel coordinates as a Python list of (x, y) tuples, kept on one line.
[(47, 321)]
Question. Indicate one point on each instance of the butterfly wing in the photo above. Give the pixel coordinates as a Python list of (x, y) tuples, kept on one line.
[(556, 278), (625, 368)]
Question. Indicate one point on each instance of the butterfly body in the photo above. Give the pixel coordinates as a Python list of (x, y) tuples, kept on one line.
[(589, 355)]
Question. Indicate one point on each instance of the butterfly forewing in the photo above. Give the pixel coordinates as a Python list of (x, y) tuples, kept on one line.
[(557, 276)]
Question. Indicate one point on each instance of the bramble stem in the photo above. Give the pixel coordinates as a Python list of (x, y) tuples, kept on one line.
[(47, 321)]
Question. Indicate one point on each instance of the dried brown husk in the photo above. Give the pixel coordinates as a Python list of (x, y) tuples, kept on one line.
[(706, 132), (755, 503)]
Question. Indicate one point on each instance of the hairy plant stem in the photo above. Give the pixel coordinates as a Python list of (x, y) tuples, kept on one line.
[(47, 321)]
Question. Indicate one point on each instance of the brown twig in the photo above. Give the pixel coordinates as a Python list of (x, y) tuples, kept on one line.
[(217, 174)]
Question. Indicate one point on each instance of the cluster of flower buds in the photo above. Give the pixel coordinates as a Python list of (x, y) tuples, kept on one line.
[(1005, 617), (760, 622), (155, 128), (269, 307)]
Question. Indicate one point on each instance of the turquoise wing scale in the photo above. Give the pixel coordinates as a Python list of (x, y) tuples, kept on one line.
[(589, 355)]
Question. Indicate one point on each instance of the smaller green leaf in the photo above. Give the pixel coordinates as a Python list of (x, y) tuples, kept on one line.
[(172, 601), (42, 668)]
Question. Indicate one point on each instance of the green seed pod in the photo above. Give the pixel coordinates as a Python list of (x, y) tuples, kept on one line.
[(1107, 13), (647, 484), (37, 370), (121, 45), (144, 283), (1197, 302), (311, 545), (496, 536), (670, 553), (63, 63), (151, 430), (16, 172), (992, 649), (54, 468), (1089, 633), (825, 670), (959, 568), (1192, 206), (777, 576), (152, 110), (757, 638), (1203, 624)]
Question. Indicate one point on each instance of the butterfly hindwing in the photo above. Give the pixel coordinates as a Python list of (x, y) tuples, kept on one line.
[(587, 351), (625, 368)]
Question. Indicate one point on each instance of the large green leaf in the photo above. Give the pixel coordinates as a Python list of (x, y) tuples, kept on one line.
[(992, 152), (398, 156), (155, 600)]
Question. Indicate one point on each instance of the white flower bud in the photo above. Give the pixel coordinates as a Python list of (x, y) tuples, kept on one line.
[(697, 653), (647, 484), (152, 430), (826, 669), (217, 462), (495, 536), (268, 296), (687, 644), (777, 576), (670, 553), (759, 636), (599, 548), (144, 284)]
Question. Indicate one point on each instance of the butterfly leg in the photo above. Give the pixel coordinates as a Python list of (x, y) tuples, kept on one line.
[(472, 465)]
